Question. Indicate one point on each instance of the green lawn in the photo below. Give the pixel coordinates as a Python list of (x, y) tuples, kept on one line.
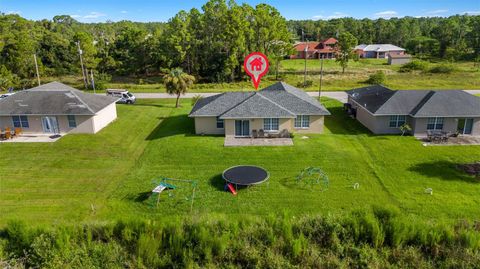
[(466, 76), (107, 176)]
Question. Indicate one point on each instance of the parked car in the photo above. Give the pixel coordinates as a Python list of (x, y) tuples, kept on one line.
[(5, 95), (125, 97)]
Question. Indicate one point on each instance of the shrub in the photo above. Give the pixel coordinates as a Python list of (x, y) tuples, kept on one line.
[(415, 65), (377, 78), (308, 83), (442, 69)]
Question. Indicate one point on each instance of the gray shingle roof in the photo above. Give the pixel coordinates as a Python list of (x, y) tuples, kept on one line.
[(416, 103), (257, 106), (449, 104), (54, 99), (279, 100)]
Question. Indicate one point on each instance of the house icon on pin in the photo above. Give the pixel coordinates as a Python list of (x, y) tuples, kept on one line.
[(256, 64)]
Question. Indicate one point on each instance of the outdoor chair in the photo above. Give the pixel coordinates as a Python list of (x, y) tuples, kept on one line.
[(18, 131), (254, 133), (261, 133), (8, 135), (284, 133)]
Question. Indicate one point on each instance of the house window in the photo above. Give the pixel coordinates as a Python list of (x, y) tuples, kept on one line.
[(435, 124), (72, 123), (20, 121), (397, 121), (220, 123), (270, 124), (302, 121)]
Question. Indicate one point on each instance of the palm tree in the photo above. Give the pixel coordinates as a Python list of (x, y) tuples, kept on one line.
[(177, 82)]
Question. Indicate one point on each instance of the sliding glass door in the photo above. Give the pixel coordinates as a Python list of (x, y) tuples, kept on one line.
[(242, 128), (465, 126)]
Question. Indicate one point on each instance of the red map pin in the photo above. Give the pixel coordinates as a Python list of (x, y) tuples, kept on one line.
[(256, 66)]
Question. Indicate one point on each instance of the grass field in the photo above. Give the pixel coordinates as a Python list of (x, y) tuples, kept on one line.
[(107, 176), (465, 76)]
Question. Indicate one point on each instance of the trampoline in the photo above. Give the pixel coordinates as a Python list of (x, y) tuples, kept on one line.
[(245, 175)]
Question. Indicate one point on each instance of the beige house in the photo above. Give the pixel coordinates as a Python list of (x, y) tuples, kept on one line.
[(56, 108), (383, 110), (272, 110)]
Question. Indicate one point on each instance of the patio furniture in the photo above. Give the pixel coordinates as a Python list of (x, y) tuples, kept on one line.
[(284, 133), (254, 133), (261, 133), (18, 131), (436, 136)]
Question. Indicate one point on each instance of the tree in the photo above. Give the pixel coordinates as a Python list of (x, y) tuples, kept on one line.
[(346, 43), (177, 82)]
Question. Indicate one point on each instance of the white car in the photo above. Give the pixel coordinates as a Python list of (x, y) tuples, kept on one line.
[(125, 97)]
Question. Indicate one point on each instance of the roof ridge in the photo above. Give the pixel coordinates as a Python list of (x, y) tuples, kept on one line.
[(83, 102), (273, 102), (243, 101), (422, 102), (388, 99)]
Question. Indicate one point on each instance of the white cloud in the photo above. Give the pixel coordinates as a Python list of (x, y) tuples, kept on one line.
[(334, 15), (13, 12), (90, 16), (386, 14), (477, 12), (436, 12), (123, 12)]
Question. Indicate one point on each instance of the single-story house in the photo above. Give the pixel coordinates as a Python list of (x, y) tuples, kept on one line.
[(378, 50), (326, 49), (399, 59), (57, 109), (273, 109), (383, 110)]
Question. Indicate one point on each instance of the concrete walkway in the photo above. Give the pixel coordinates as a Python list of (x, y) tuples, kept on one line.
[(32, 138), (338, 95)]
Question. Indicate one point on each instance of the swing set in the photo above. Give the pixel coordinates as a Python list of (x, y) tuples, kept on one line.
[(170, 184)]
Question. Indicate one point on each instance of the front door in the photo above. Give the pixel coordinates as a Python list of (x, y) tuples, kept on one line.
[(465, 126), (50, 125), (242, 128)]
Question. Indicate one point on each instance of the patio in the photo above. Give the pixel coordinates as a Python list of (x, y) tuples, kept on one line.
[(242, 142), (459, 140), (32, 138)]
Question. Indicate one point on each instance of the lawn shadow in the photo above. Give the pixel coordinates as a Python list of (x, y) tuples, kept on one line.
[(154, 105), (443, 170), (172, 125), (217, 182), (340, 123)]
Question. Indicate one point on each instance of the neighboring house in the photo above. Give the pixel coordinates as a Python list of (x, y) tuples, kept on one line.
[(383, 110), (315, 50), (273, 109), (57, 109), (378, 50), (399, 59)]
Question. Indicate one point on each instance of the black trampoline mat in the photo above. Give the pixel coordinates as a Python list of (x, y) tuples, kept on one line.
[(245, 175)]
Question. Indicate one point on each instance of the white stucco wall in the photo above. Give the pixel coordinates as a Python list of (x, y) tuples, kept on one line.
[(104, 117)]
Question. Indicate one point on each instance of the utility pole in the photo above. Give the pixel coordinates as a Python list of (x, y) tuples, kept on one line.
[(321, 78), (36, 68), (81, 65), (305, 67), (93, 81)]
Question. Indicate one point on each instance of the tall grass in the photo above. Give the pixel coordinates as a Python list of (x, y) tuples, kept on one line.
[(376, 238)]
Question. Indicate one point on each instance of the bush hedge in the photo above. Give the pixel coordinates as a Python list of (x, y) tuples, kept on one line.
[(381, 237)]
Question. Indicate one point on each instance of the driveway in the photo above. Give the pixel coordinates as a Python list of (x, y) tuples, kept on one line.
[(340, 95)]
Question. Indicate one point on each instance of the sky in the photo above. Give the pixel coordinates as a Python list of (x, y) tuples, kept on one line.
[(162, 10)]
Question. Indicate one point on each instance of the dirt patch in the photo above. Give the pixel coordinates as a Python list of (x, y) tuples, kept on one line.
[(472, 169)]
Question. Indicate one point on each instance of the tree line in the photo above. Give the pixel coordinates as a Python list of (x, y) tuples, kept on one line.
[(209, 43), (454, 38)]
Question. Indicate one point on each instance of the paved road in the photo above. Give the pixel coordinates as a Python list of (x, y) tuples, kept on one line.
[(340, 95)]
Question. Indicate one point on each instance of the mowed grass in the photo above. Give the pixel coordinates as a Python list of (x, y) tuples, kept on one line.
[(466, 76), (109, 176)]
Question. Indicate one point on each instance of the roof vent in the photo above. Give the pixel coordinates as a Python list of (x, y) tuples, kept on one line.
[(23, 105), (69, 95)]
